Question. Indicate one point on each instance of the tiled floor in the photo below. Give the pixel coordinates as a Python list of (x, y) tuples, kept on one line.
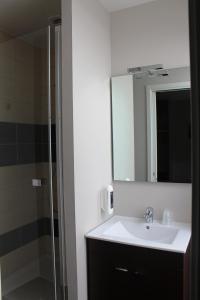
[(38, 289)]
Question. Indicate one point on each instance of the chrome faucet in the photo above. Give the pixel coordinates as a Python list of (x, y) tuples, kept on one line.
[(149, 215)]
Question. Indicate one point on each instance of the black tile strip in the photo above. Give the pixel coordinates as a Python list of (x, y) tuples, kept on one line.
[(27, 133), (26, 234), (45, 134), (8, 133), (26, 154), (56, 228), (25, 143), (53, 133), (8, 155)]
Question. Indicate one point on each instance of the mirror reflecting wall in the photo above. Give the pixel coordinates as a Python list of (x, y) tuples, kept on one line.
[(151, 125)]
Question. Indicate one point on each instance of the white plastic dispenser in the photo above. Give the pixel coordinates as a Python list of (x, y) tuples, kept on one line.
[(107, 204)]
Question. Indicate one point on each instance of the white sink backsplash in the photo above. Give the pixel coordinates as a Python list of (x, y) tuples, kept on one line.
[(131, 199)]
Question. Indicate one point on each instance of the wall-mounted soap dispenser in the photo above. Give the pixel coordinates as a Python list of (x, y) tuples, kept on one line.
[(107, 201)]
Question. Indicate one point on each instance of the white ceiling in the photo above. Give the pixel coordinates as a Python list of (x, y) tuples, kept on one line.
[(114, 5), (18, 17)]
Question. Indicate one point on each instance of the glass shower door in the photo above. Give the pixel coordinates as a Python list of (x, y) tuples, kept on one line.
[(29, 221)]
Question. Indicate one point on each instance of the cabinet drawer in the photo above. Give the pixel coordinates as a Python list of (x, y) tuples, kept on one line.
[(122, 255), (117, 271)]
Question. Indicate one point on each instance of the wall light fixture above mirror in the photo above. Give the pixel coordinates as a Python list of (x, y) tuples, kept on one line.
[(151, 125)]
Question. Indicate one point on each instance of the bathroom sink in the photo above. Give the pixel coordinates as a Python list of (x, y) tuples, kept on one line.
[(149, 232), (134, 231)]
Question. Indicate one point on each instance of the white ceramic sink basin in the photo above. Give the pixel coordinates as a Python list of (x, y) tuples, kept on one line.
[(134, 231), (148, 232)]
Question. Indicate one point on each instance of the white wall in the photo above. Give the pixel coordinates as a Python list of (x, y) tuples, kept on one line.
[(87, 105), (155, 32), (92, 137), (152, 33), (131, 199)]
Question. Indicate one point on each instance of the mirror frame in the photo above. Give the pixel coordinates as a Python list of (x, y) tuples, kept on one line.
[(194, 12)]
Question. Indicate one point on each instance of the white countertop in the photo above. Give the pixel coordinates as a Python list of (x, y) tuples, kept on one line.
[(179, 244)]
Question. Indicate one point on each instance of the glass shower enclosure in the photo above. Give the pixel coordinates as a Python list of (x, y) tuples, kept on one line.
[(32, 243)]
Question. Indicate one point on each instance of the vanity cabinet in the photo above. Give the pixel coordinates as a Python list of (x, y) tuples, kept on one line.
[(118, 271)]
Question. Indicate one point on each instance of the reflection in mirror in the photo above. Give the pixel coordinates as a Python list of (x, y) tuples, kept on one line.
[(173, 136), (123, 128), (151, 125)]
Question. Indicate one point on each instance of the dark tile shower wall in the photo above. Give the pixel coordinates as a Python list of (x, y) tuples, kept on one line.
[(25, 143), (20, 237), (25, 231)]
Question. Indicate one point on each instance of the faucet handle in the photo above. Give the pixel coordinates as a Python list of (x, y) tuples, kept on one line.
[(149, 214), (149, 210)]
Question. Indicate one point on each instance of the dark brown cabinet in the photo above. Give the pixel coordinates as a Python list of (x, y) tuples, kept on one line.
[(117, 271)]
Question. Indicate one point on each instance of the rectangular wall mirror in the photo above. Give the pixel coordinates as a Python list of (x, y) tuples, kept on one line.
[(151, 125)]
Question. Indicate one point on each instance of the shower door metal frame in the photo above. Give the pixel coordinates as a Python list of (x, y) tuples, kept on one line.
[(194, 11), (50, 161), (54, 35), (59, 158)]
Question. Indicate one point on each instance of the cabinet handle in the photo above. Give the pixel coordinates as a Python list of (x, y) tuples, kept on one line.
[(121, 269), (137, 273)]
